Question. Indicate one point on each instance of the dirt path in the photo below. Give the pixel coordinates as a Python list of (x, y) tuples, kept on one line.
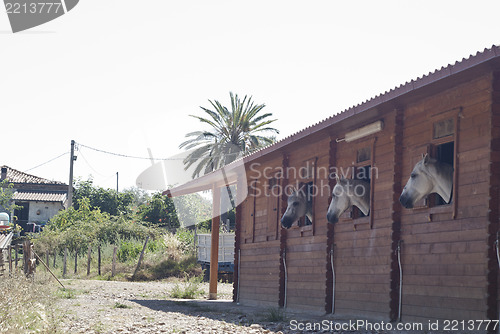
[(91, 306)]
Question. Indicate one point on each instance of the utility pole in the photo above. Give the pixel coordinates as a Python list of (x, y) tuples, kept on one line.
[(72, 158), (117, 182)]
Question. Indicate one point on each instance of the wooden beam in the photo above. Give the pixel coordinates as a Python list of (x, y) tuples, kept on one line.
[(214, 248)]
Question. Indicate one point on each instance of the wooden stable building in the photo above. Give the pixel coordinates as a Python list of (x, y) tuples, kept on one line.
[(435, 261)]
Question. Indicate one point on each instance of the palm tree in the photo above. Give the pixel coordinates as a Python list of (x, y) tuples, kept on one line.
[(234, 134)]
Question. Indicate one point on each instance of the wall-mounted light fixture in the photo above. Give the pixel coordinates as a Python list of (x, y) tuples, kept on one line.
[(362, 132)]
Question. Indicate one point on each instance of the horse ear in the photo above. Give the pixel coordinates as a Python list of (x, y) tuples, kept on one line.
[(301, 186), (425, 158), (343, 180), (337, 178)]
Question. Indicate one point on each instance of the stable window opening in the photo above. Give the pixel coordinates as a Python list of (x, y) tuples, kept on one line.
[(308, 188), (443, 153), (307, 174), (361, 173)]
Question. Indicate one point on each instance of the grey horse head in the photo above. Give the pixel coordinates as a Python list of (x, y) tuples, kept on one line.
[(347, 193), (298, 206), (427, 177)]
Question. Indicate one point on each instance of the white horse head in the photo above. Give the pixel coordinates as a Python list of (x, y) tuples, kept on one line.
[(347, 193), (428, 176), (298, 206)]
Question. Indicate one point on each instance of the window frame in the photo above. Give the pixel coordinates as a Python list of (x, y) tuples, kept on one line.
[(274, 207), (310, 178), (429, 203), (350, 214)]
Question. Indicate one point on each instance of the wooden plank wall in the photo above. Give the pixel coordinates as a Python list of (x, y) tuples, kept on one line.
[(259, 239), (362, 254), (493, 228), (305, 246), (445, 259)]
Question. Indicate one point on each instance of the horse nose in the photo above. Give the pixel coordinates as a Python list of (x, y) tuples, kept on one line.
[(331, 218), (405, 201), (285, 222)]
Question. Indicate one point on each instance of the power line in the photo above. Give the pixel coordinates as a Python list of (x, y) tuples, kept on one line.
[(46, 162), (125, 155), (88, 164), (142, 158)]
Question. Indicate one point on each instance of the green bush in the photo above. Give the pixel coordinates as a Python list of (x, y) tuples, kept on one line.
[(170, 267), (186, 238), (189, 290), (128, 251)]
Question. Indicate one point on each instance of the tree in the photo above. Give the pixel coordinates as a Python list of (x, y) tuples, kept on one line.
[(6, 203), (139, 196), (6, 193), (107, 200), (192, 209), (160, 211), (233, 134)]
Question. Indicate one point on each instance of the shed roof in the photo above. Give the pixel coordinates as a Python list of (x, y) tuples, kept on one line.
[(455, 73), (39, 196), (16, 176), (5, 240)]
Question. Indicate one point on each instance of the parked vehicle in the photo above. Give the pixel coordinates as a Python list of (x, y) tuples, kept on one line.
[(226, 252)]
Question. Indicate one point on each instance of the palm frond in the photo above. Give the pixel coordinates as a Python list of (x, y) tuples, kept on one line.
[(233, 134)]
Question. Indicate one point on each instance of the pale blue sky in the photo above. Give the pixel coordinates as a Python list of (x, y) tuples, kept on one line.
[(122, 75)]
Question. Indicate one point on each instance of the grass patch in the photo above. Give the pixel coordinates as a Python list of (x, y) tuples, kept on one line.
[(190, 289), (274, 315), (120, 305), (65, 293), (26, 305)]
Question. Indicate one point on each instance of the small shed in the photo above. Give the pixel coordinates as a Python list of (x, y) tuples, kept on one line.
[(40, 199), (435, 261)]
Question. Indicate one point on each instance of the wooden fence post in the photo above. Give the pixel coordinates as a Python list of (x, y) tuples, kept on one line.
[(113, 267), (10, 259), (99, 260), (76, 260), (28, 258), (55, 255), (140, 257), (16, 250), (64, 260), (89, 253), (47, 257), (2, 269)]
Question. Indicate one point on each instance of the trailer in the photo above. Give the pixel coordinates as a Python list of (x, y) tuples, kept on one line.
[(226, 252)]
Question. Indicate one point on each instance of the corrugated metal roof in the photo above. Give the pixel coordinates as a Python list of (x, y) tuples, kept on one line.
[(425, 80), (39, 196), (16, 176)]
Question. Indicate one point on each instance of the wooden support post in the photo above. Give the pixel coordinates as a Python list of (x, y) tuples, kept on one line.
[(89, 253), (47, 258), (47, 266), (55, 255), (140, 257), (214, 249), (113, 266)]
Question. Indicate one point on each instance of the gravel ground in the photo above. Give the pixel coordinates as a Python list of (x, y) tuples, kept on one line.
[(96, 306), (92, 306)]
